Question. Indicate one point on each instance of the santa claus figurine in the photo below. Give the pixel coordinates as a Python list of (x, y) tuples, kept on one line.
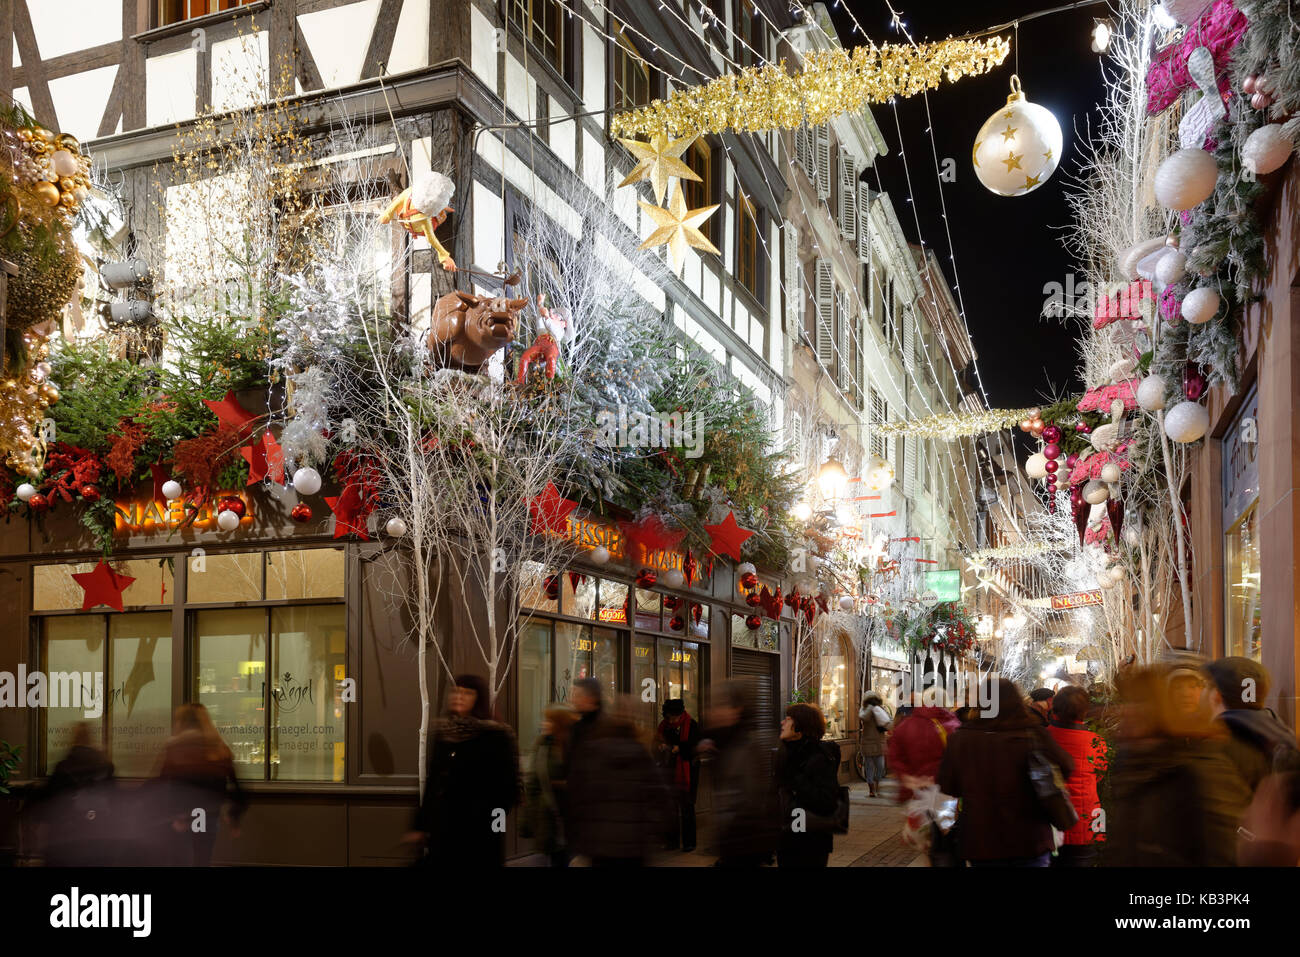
[(554, 328), (422, 207)]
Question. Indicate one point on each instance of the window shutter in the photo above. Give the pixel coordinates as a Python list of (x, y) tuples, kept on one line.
[(825, 314), (858, 384), (822, 159), (909, 466), (848, 196), (844, 356), (909, 338), (793, 279), (864, 223), (803, 150), (796, 438)]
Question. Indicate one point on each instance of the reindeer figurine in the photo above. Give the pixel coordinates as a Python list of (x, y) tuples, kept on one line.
[(554, 326)]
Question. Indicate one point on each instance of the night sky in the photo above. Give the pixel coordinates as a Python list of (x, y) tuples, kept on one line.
[(1006, 248)]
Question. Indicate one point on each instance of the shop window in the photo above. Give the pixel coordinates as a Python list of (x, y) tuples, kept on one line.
[(679, 673), (699, 156), (629, 74), (542, 24), (767, 637), (648, 608), (54, 588), (747, 253), (534, 686), (124, 663), (613, 602), (539, 588), (585, 652), (300, 573), (225, 578), (1241, 573), (289, 575), (579, 594), (270, 679), (833, 688), (167, 12)]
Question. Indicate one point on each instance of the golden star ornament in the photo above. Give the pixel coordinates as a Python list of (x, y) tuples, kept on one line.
[(678, 227), (657, 160)]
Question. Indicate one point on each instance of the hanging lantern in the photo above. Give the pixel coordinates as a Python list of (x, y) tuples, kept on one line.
[(1018, 147)]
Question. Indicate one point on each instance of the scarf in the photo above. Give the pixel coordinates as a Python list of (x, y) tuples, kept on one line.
[(458, 728), (682, 767)]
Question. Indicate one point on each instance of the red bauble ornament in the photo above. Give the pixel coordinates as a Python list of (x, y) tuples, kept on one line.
[(672, 602), (645, 578), (90, 493), (676, 623), (748, 580), (1050, 467), (1051, 434), (753, 599), (1051, 451), (301, 513), (753, 622), (552, 587), (1071, 461), (1194, 382), (38, 502), (232, 504)]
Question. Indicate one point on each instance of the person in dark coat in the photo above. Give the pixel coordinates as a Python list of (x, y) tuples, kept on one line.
[(546, 795), (808, 782), (1000, 820), (1088, 752), (744, 796), (1040, 705), (1258, 743), (198, 772), (78, 808), (1176, 798), (473, 782), (676, 739), (617, 802)]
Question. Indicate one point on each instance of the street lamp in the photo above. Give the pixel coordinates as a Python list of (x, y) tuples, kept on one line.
[(832, 479)]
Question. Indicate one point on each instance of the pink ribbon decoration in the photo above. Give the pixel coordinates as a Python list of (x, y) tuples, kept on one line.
[(1218, 31)]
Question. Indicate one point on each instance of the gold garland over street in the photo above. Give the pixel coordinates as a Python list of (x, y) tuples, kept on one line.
[(948, 426), (831, 83)]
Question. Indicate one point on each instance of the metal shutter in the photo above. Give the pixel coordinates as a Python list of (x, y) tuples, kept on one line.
[(825, 343), (761, 670)]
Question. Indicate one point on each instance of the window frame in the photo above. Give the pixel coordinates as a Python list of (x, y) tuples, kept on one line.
[(157, 19), (708, 191), (748, 210), (624, 46), (566, 37)]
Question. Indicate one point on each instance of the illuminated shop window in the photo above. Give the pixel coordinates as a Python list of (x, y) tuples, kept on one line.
[(1241, 574)]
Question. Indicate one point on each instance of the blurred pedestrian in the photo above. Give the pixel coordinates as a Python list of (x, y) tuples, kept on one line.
[(198, 774), (472, 782), (1258, 743), (874, 722), (1040, 705), (78, 810), (546, 793), (915, 750), (986, 766), (675, 746), (616, 799), (807, 776), (1088, 752), (1176, 798), (744, 806)]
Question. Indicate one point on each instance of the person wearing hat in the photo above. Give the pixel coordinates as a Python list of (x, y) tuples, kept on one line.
[(1040, 704), (675, 741), (1259, 743)]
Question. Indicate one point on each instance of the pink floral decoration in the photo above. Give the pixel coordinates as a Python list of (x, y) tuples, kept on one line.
[(1099, 535), (1169, 305), (1218, 31), (1090, 468), (1100, 398), (1125, 304)]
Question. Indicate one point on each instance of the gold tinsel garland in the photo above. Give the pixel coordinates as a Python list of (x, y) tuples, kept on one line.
[(831, 83), (956, 425)]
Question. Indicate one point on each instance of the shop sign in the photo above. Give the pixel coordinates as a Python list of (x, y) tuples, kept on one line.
[(946, 584), (588, 534), (1241, 460), (1076, 599), (615, 615), (150, 516)]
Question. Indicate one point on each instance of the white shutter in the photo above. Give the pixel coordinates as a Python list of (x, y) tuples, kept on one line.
[(822, 150), (825, 313), (859, 385), (793, 280), (803, 150), (864, 223), (909, 466), (848, 196), (843, 318), (909, 338)]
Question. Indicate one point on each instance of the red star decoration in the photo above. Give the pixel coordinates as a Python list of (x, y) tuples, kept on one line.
[(103, 586), (651, 534), (550, 511), (265, 456), (162, 473), (349, 512), (727, 537), (229, 412)]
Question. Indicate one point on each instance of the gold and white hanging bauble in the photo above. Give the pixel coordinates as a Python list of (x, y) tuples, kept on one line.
[(1018, 148)]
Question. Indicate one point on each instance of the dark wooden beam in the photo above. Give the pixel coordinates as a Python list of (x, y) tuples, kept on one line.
[(308, 73), (38, 90), (7, 49), (134, 114), (381, 40)]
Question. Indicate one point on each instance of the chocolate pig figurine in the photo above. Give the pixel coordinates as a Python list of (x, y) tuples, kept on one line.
[(468, 329)]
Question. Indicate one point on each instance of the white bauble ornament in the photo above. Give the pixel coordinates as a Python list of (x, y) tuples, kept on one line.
[(64, 164), (1200, 305), (746, 568), (1265, 150), (599, 555), (1133, 535), (1110, 473), (172, 490), (1018, 148), (1104, 580), (1187, 422), (1095, 492), (846, 603), (306, 481), (395, 527), (1036, 466), (1151, 393), (25, 492), (674, 578), (1185, 12), (1172, 268), (227, 521), (1117, 573), (1185, 179)]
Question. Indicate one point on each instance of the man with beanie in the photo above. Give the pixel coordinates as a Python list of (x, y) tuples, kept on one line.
[(1259, 744), (1040, 704)]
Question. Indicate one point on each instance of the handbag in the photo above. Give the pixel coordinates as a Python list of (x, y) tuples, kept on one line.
[(1049, 787)]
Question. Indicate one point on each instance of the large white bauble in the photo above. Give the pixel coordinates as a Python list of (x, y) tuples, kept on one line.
[(599, 555), (227, 521), (674, 578), (1110, 473), (1265, 150), (1095, 492), (846, 603), (1172, 268), (1104, 580), (395, 527), (1200, 305), (1185, 179), (306, 481), (1185, 12), (25, 492), (1151, 393), (172, 490), (1036, 465), (1116, 573), (1187, 422), (1018, 147)]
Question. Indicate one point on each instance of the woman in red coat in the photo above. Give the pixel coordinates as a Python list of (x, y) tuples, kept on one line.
[(1088, 752)]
